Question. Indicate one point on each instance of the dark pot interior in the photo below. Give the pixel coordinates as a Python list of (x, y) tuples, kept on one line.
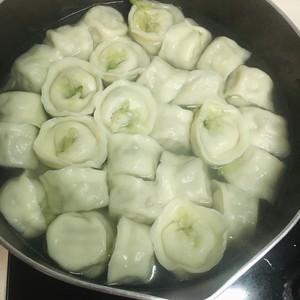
[(257, 26)]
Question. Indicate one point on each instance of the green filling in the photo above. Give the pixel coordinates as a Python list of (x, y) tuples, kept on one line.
[(147, 22), (68, 140), (185, 225), (114, 58), (213, 120)]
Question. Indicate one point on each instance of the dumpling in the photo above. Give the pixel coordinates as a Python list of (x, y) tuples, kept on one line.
[(16, 145), (133, 257), (22, 200), (238, 207), (172, 128), (256, 172), (150, 20), (199, 87), (22, 107), (183, 44), (29, 70), (162, 80), (189, 238), (71, 40), (183, 177), (127, 107), (249, 86), (219, 133), (134, 198), (71, 141), (222, 55), (104, 22), (74, 189), (81, 242), (70, 86), (268, 131), (120, 58), (133, 154)]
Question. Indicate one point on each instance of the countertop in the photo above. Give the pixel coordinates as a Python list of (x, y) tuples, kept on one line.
[(291, 8)]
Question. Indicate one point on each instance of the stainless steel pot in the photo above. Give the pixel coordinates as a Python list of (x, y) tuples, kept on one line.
[(276, 48)]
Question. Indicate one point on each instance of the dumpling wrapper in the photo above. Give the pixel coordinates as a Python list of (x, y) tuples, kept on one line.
[(133, 257), (189, 238), (81, 242), (222, 55), (183, 177), (249, 86), (74, 189), (16, 145), (183, 44), (22, 200), (71, 141), (238, 207), (22, 108)]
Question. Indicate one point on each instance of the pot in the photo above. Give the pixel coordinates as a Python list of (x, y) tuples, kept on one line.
[(275, 45)]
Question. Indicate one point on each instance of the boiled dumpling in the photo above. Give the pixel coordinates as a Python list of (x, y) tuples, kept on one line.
[(126, 107), (150, 20), (249, 86), (70, 86), (222, 55), (189, 238), (162, 80), (71, 40), (71, 141), (22, 200), (30, 69), (133, 154), (238, 207), (22, 107), (120, 58), (104, 22), (133, 257), (256, 172), (81, 242), (75, 189), (16, 145), (183, 177), (183, 44), (219, 133), (172, 128), (268, 131)]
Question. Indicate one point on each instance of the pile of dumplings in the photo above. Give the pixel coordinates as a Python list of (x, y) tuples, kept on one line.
[(141, 143)]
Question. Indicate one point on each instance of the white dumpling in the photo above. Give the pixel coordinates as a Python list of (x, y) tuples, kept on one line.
[(16, 145), (172, 128), (126, 106), (256, 172), (183, 44), (183, 177), (71, 141), (120, 58), (222, 55), (104, 22), (74, 189), (29, 70), (189, 238), (200, 86), (133, 257), (70, 86), (162, 80), (71, 40), (80, 242), (219, 133), (22, 200), (133, 154), (268, 131), (150, 20), (22, 107), (249, 86), (238, 207), (134, 198)]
